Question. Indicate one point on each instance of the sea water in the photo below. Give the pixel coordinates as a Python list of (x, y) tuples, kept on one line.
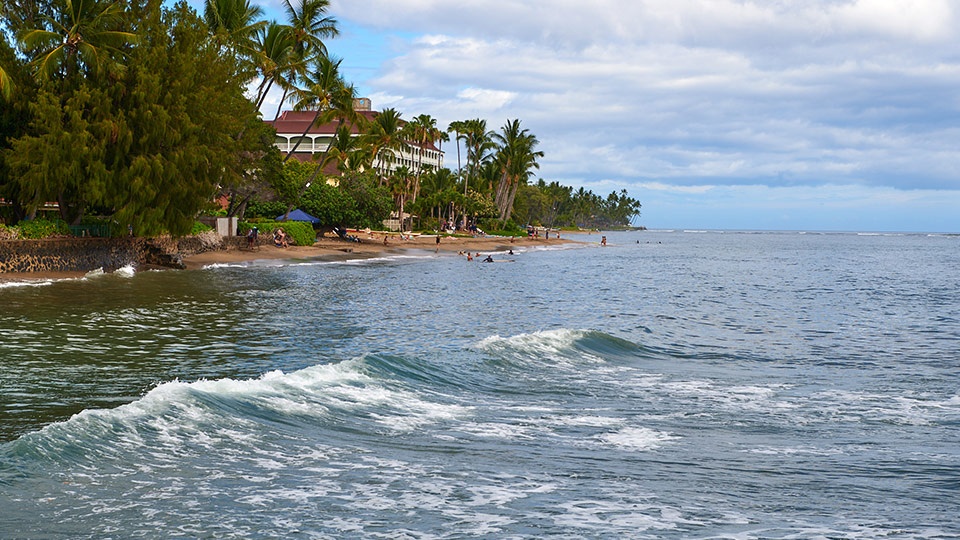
[(673, 384)]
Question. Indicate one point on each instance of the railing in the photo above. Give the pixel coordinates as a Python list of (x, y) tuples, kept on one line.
[(100, 230)]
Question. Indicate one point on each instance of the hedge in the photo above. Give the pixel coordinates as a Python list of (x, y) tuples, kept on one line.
[(300, 233)]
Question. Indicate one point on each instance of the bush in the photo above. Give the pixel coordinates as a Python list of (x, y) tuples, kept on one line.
[(300, 233), (41, 228), (502, 228), (199, 228), (265, 209)]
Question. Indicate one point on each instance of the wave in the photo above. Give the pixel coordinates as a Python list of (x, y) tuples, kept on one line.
[(562, 346), (125, 272), (213, 414)]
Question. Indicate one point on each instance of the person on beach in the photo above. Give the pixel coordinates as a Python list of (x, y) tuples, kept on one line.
[(438, 244), (280, 238), (252, 237)]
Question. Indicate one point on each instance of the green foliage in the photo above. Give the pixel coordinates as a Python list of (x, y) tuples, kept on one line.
[(199, 228), (502, 228), (372, 202), (151, 142), (329, 204), (42, 228), (554, 205), (265, 209), (300, 232)]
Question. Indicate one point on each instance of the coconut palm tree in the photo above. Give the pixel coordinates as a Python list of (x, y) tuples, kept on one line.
[(480, 146), (342, 109), (423, 133), (234, 23), (516, 159), (346, 149), (274, 57), (399, 185), (309, 25), (320, 90), (82, 35), (385, 138)]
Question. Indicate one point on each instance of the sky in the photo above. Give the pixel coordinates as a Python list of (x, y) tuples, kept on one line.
[(839, 115)]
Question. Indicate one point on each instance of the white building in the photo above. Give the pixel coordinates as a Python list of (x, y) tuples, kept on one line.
[(291, 126)]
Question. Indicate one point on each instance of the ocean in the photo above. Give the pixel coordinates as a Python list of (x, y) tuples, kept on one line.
[(673, 384)]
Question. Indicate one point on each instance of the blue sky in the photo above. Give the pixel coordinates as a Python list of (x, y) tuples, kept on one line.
[(715, 114)]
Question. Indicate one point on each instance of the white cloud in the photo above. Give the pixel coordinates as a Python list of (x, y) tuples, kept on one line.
[(695, 94)]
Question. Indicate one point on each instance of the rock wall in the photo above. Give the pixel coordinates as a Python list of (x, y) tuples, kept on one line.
[(86, 254)]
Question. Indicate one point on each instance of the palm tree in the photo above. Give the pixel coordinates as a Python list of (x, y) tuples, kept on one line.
[(346, 150), (399, 184), (517, 159), (480, 145), (385, 138), (319, 92), (309, 24), (275, 58), (235, 23), (341, 108), (83, 34), (424, 133)]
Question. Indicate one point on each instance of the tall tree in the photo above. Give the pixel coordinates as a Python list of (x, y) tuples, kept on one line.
[(77, 37), (322, 88), (234, 23), (424, 133), (516, 158), (150, 148), (385, 139), (274, 57), (399, 183), (309, 25)]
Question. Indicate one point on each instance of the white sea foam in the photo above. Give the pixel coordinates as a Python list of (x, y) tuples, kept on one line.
[(499, 430), (26, 283), (126, 271), (602, 515), (557, 346), (587, 421), (636, 439)]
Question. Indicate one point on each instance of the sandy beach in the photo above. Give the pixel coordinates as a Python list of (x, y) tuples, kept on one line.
[(370, 245)]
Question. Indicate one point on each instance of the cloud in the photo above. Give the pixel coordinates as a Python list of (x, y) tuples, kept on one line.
[(691, 92)]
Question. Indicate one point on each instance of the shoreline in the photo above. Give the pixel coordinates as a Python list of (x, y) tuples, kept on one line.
[(371, 245)]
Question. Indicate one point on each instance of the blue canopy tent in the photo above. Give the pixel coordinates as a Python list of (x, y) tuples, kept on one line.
[(300, 215)]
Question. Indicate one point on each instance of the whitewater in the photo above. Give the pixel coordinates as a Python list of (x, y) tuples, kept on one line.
[(673, 384)]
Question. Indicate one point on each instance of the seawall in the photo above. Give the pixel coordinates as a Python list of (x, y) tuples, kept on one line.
[(87, 254)]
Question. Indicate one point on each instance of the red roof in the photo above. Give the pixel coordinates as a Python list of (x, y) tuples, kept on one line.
[(295, 122)]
